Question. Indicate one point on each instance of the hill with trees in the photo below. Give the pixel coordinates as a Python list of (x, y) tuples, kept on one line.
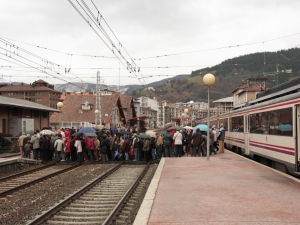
[(229, 75)]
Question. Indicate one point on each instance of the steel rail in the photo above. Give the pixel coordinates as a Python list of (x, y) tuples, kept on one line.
[(117, 208), (2, 194), (26, 172), (46, 215)]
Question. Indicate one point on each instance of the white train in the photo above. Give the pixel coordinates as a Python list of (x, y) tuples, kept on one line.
[(267, 129)]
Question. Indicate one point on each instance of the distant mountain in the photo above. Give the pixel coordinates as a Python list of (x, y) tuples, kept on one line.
[(125, 89)]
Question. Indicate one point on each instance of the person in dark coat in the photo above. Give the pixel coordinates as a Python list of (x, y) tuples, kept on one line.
[(196, 142), (25, 140), (104, 148), (126, 148), (221, 138), (189, 147), (168, 139), (45, 147), (73, 150)]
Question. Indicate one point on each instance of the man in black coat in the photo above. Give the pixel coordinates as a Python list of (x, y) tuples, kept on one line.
[(167, 139)]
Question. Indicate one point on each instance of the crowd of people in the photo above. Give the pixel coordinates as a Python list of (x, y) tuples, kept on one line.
[(111, 144)]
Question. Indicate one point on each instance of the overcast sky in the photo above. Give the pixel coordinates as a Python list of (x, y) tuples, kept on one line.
[(145, 29)]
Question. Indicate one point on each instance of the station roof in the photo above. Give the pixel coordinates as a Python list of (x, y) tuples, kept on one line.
[(24, 104)]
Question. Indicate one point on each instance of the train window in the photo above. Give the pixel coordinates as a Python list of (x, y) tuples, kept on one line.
[(225, 123), (237, 123), (276, 122)]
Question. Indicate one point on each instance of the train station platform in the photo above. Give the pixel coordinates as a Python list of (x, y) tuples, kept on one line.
[(228, 189)]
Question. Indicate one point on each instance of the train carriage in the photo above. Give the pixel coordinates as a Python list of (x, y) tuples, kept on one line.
[(266, 129)]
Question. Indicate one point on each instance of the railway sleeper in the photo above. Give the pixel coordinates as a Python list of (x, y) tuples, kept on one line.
[(80, 218), (98, 213), (72, 223), (87, 207)]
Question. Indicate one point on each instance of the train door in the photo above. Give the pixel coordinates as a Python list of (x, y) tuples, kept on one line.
[(246, 134), (297, 135)]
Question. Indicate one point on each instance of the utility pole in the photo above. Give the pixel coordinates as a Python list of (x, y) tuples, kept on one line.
[(98, 100)]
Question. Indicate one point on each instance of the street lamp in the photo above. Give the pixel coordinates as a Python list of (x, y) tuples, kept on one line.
[(96, 117), (59, 106), (208, 80), (106, 122)]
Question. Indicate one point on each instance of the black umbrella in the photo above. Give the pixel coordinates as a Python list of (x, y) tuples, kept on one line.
[(124, 132), (77, 134)]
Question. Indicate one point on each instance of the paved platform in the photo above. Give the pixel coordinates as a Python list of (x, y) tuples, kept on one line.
[(228, 189)]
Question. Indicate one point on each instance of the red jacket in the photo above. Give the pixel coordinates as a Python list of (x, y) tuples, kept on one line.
[(90, 144)]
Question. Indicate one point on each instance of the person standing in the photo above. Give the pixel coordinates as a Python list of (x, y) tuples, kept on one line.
[(35, 141), (91, 148), (104, 148), (146, 147), (25, 140), (79, 149), (126, 148), (159, 143), (136, 147), (45, 147), (215, 140), (27, 149), (189, 146), (167, 139), (58, 144), (178, 143), (21, 143), (221, 137), (196, 143), (97, 148), (152, 147)]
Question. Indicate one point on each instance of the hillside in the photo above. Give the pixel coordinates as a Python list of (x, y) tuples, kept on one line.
[(229, 75)]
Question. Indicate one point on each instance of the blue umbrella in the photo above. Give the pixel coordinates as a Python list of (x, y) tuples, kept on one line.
[(202, 127), (86, 130)]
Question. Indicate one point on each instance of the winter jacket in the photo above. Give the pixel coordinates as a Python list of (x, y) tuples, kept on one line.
[(97, 144), (222, 134), (159, 141), (177, 138), (146, 145), (104, 147), (197, 139), (35, 141), (167, 139), (20, 141), (90, 144), (126, 146), (58, 144)]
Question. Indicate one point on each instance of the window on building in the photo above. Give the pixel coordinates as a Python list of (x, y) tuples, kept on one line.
[(15, 112), (36, 113)]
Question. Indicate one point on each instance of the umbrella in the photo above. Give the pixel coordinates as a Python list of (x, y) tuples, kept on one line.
[(143, 135), (163, 132), (177, 128), (47, 132), (151, 133), (86, 130), (124, 132), (188, 128), (91, 134), (77, 134), (202, 127), (170, 128)]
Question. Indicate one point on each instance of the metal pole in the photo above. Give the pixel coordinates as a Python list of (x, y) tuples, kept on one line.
[(207, 133)]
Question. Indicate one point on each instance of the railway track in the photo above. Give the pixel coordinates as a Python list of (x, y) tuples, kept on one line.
[(101, 201), (24, 179)]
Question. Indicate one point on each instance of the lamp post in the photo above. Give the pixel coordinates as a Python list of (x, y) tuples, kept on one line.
[(208, 80), (96, 117), (106, 117), (186, 111), (183, 115), (59, 106)]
